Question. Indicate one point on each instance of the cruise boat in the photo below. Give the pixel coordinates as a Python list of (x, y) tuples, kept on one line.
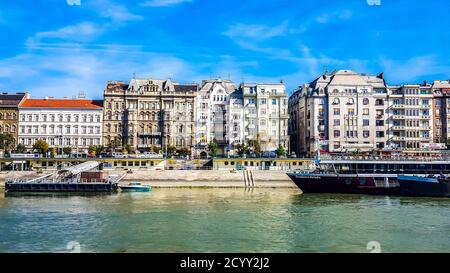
[(378, 177), (431, 186)]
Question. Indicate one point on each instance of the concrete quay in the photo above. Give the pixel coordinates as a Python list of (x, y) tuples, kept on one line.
[(191, 178)]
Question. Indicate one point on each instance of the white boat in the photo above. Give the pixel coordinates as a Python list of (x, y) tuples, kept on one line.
[(135, 186)]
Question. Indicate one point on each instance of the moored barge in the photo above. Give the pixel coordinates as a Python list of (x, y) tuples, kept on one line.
[(364, 176), (76, 179)]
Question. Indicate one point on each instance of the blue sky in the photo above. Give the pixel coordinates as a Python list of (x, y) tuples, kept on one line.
[(54, 48)]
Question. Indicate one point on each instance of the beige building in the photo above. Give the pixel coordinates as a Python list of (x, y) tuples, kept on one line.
[(9, 113), (150, 114), (339, 112)]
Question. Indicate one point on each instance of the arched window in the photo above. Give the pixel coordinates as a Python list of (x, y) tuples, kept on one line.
[(366, 101), (351, 101), (336, 101)]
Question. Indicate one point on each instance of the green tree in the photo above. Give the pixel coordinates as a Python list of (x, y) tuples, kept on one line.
[(255, 145), (212, 149), (21, 149), (53, 151), (99, 150), (242, 149), (281, 151), (92, 150), (41, 147), (67, 150), (184, 152), (171, 150), (7, 142)]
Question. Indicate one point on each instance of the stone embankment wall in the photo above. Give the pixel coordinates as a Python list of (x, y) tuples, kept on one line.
[(175, 178)]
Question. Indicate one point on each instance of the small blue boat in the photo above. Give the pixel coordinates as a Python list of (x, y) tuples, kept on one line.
[(136, 186)]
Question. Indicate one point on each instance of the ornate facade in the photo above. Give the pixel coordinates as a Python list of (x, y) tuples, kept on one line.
[(150, 114)]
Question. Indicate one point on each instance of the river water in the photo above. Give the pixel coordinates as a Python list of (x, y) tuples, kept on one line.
[(219, 220)]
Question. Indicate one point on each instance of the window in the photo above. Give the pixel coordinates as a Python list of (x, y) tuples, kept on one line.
[(351, 102), (380, 134), (366, 134), (263, 101), (274, 102), (366, 101), (379, 123), (337, 133), (336, 101), (337, 122), (351, 112), (366, 112), (366, 122), (337, 111)]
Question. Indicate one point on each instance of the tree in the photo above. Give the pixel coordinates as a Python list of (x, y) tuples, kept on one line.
[(171, 150), (184, 152), (21, 149), (53, 151), (242, 149), (7, 142), (92, 150), (255, 146), (281, 151), (41, 147), (99, 150), (212, 149), (67, 150)]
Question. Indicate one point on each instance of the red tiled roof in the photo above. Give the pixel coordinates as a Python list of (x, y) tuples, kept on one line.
[(62, 103)]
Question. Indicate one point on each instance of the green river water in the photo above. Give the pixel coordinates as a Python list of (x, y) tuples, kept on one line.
[(222, 220)]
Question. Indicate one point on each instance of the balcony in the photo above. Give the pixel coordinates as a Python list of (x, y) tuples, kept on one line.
[(398, 138), (398, 127), (398, 106), (156, 134)]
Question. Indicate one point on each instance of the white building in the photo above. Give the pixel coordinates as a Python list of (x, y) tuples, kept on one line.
[(211, 114), (74, 123), (266, 114)]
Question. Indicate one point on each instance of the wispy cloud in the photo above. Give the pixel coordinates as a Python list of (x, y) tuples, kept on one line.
[(413, 69), (116, 12), (163, 3), (256, 31), (81, 32), (335, 16)]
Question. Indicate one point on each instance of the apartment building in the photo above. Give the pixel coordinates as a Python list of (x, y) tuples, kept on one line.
[(340, 112), (308, 117), (441, 111), (9, 113), (150, 114), (214, 113), (266, 114), (74, 123), (411, 116)]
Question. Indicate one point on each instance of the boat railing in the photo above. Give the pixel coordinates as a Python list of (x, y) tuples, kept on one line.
[(56, 181)]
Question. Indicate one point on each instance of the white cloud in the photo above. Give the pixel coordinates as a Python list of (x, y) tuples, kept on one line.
[(402, 71), (326, 18), (76, 33), (163, 3), (116, 12), (257, 32)]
